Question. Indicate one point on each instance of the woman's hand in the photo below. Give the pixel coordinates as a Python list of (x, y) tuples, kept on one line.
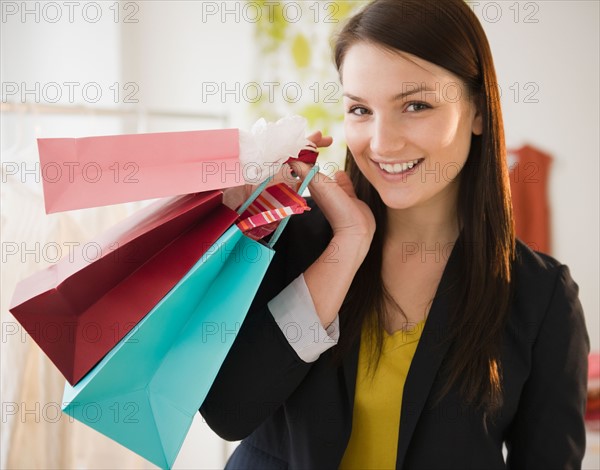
[(335, 196), (347, 215), (236, 196)]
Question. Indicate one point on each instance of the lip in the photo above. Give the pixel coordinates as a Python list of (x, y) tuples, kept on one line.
[(400, 177)]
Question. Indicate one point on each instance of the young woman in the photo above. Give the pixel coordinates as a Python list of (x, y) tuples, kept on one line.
[(401, 324)]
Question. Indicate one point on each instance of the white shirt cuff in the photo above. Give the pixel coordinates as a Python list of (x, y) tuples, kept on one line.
[(294, 311)]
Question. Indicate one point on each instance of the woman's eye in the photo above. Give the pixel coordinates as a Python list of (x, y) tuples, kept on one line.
[(358, 111), (419, 106)]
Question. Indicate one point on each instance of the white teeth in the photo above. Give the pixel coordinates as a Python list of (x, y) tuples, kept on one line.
[(397, 167)]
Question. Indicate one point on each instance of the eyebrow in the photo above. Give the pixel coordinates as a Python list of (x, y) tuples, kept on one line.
[(397, 97)]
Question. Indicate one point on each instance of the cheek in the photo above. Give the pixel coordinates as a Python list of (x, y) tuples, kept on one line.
[(356, 139), (454, 132), (446, 130)]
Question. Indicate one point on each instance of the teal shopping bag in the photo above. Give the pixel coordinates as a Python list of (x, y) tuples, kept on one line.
[(146, 391)]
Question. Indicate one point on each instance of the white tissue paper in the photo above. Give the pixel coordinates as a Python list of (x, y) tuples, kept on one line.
[(268, 145)]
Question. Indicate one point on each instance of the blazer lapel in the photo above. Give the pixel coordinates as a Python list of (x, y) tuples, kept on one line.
[(428, 356)]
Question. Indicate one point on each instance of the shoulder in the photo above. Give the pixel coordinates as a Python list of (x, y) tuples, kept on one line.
[(544, 290), (538, 270)]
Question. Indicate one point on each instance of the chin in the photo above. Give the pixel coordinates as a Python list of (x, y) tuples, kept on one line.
[(397, 202)]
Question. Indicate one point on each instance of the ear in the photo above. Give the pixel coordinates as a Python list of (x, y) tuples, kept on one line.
[(477, 127)]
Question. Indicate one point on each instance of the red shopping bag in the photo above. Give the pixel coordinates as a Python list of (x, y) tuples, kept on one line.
[(78, 309)]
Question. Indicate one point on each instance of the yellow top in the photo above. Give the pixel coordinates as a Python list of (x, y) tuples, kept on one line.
[(377, 403)]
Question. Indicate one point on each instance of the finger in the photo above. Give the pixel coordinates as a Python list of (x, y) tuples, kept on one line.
[(325, 141), (344, 182), (319, 140), (288, 177), (315, 137), (319, 186), (299, 168), (327, 193)]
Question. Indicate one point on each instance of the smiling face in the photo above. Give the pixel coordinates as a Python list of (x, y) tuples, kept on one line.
[(410, 145)]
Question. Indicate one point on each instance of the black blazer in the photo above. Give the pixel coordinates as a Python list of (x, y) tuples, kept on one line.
[(296, 415)]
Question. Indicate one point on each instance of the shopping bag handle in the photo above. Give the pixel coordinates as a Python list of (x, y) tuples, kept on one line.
[(254, 195), (313, 171)]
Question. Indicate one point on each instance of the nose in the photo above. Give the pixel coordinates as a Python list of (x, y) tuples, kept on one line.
[(387, 140)]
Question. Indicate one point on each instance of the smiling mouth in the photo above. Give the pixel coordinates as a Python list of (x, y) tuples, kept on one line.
[(399, 168)]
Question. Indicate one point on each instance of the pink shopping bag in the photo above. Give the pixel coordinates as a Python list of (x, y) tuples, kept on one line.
[(97, 171)]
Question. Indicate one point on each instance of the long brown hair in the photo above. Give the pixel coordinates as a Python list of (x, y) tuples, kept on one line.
[(446, 33)]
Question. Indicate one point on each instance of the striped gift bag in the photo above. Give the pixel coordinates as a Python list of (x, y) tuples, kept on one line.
[(264, 214)]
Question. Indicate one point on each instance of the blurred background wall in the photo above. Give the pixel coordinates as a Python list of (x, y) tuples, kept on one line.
[(71, 69)]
